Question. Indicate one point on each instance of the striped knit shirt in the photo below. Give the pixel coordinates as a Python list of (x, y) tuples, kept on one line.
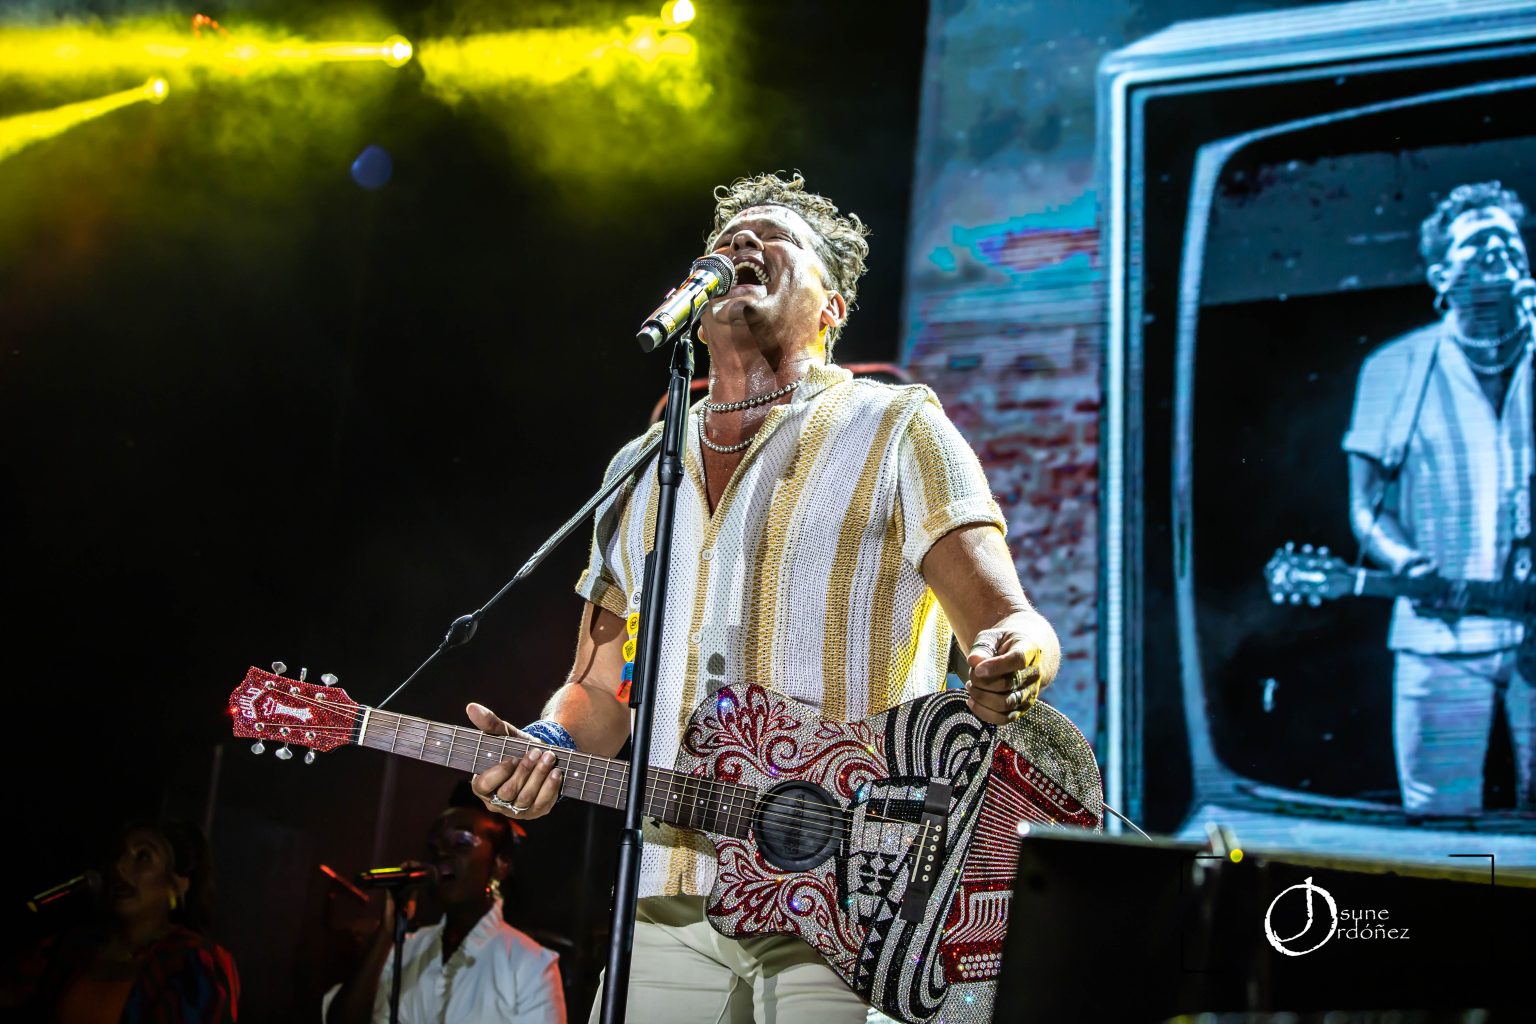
[(1465, 475), (805, 579)]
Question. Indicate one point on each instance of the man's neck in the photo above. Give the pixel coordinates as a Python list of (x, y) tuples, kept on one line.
[(459, 920), (1490, 323), (738, 373)]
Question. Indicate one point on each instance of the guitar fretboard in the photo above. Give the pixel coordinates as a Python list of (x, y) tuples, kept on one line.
[(1504, 598), (707, 805)]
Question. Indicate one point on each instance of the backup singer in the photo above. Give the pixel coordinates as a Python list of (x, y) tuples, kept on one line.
[(1440, 466), (831, 535), (469, 967)]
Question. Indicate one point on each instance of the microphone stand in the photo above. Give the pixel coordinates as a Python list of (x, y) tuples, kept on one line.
[(394, 982), (669, 473)]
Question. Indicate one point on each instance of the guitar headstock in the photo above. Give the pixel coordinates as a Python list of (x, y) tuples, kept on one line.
[(270, 706), (1306, 574)]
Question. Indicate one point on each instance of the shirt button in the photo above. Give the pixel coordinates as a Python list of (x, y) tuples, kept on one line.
[(707, 554), (696, 638)]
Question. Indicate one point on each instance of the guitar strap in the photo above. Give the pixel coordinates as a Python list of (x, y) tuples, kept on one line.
[(1517, 567)]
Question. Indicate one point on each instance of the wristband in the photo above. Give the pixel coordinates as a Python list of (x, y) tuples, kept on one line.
[(550, 733)]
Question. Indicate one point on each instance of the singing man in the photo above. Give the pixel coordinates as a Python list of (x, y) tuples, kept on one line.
[(832, 535)]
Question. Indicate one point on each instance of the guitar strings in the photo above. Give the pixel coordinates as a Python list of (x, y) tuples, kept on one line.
[(836, 820)]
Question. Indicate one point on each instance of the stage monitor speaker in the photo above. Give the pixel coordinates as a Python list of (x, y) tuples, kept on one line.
[(1106, 928)]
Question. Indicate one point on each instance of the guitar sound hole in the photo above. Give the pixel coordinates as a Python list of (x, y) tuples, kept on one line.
[(798, 825)]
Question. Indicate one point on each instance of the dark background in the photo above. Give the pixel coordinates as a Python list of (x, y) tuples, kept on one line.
[(252, 411)]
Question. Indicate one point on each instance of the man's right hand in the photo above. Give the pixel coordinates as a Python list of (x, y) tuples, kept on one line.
[(531, 784), (1416, 564)]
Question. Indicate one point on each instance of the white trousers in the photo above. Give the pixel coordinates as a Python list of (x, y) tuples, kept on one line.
[(685, 972), (1442, 709)]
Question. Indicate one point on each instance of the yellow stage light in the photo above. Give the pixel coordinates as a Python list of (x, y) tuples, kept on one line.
[(397, 51), (678, 13), (22, 130), (1236, 855), (77, 51)]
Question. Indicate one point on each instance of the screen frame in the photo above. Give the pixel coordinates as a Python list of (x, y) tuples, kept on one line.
[(1128, 82)]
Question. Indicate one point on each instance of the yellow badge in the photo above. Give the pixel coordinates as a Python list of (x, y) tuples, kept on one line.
[(629, 649), (633, 623)]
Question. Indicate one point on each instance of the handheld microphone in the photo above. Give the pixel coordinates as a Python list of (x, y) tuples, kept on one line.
[(402, 875), (1525, 294), (81, 884), (710, 276)]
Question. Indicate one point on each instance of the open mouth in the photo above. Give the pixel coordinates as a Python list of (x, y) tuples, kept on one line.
[(748, 272)]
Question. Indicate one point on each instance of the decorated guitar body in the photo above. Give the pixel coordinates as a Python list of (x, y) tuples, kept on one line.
[(888, 844), (843, 889)]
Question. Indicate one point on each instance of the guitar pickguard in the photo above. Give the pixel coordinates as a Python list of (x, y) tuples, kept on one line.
[(848, 906)]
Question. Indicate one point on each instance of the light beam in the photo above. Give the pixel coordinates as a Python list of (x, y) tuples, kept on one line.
[(22, 130)]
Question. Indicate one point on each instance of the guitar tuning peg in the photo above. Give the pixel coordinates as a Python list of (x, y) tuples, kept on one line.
[(1306, 549), (1290, 545), (1277, 598), (279, 667), (258, 747), (1295, 599), (329, 679), (309, 757), (302, 673), (1323, 551), (1314, 601), (283, 753)]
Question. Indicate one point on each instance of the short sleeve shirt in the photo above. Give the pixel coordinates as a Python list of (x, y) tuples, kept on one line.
[(1463, 491), (806, 578)]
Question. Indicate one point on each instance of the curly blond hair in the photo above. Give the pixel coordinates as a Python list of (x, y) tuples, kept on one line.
[(839, 240)]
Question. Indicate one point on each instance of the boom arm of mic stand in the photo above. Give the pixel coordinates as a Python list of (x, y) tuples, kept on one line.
[(643, 691), (463, 628)]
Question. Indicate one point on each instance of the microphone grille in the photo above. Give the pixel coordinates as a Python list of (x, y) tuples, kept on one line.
[(721, 267)]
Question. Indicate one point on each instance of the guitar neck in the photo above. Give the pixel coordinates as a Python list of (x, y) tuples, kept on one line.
[(706, 805), (1480, 597)]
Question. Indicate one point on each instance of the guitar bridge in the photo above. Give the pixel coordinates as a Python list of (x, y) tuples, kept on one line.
[(928, 851)]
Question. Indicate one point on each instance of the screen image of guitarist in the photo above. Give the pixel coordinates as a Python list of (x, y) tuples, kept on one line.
[(1440, 486)]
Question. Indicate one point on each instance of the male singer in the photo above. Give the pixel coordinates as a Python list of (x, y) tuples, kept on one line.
[(830, 536), (1440, 463)]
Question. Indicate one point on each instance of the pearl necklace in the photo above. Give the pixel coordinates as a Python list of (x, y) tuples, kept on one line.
[(1489, 371), (1466, 340), (723, 449), (748, 403)]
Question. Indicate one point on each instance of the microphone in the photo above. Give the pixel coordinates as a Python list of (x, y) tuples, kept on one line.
[(401, 876), (81, 884), (1525, 294), (710, 276)]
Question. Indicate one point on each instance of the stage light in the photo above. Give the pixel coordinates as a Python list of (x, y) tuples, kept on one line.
[(1236, 855), (397, 51), (22, 130), (78, 51), (678, 14)]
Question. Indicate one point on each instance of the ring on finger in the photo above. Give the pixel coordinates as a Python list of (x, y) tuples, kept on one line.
[(496, 801)]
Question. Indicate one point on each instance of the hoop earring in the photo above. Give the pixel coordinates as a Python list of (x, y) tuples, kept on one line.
[(1440, 302), (494, 888), (175, 902)]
